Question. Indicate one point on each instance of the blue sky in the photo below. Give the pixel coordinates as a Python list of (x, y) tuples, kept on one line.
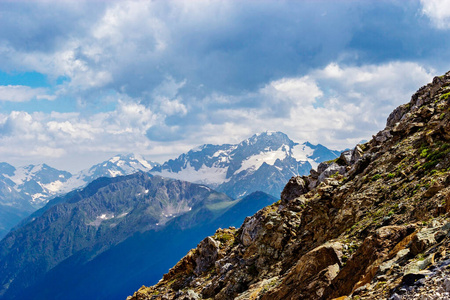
[(81, 81)]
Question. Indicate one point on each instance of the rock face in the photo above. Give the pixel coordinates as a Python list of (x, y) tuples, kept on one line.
[(372, 224)]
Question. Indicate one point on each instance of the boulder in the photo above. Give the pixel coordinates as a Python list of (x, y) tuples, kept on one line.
[(346, 157), (331, 170), (293, 189), (206, 255), (357, 153)]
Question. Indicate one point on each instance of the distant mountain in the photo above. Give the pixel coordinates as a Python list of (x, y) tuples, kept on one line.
[(14, 206), (263, 162), (112, 235), (25, 189), (119, 165)]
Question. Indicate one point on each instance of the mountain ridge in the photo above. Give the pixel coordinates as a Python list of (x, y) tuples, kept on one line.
[(75, 233), (372, 224)]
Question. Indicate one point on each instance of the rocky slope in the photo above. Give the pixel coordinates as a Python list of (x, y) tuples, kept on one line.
[(372, 224)]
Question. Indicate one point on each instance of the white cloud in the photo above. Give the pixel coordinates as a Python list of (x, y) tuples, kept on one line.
[(59, 136), (20, 93), (438, 11), (302, 89), (336, 105)]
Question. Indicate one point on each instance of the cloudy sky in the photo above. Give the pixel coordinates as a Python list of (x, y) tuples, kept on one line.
[(82, 81)]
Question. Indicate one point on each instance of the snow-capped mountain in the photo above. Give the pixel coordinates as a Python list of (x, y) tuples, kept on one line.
[(36, 181), (124, 164), (41, 182), (249, 166)]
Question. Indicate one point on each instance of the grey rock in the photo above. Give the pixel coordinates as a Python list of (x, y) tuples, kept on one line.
[(346, 157), (447, 285), (357, 153), (396, 115), (207, 254), (294, 188), (331, 170), (423, 240), (322, 167)]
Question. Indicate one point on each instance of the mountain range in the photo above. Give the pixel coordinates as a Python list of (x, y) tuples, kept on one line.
[(263, 162), (86, 240)]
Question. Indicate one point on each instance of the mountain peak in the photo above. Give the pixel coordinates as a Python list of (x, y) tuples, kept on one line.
[(240, 169)]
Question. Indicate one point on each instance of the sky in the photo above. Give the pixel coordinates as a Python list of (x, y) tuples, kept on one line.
[(81, 81)]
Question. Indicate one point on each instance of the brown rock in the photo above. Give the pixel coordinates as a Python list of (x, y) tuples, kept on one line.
[(294, 188), (206, 255)]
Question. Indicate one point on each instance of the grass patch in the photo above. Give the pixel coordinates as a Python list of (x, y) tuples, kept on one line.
[(376, 177), (444, 96)]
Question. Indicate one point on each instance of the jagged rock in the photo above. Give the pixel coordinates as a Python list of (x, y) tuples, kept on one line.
[(396, 115), (357, 153), (206, 255), (332, 169), (314, 174), (294, 188), (250, 228), (422, 240), (383, 136), (362, 267), (323, 166), (346, 157), (317, 268)]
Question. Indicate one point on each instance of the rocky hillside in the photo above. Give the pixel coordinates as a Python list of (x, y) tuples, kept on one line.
[(372, 224)]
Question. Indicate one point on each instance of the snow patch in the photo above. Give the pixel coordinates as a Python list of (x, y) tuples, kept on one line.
[(205, 187), (53, 187), (302, 152), (114, 159), (114, 173), (254, 162), (205, 175), (35, 198)]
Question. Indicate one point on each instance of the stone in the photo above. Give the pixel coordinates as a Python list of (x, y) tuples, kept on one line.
[(346, 157), (331, 170), (447, 285), (357, 153), (396, 115), (422, 240), (293, 189), (206, 255), (322, 167)]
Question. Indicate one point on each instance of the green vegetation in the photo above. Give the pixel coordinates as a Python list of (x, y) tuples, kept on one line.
[(376, 177), (444, 96), (224, 237), (432, 156)]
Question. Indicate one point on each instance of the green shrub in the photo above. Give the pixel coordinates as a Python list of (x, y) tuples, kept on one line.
[(444, 96), (376, 177)]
